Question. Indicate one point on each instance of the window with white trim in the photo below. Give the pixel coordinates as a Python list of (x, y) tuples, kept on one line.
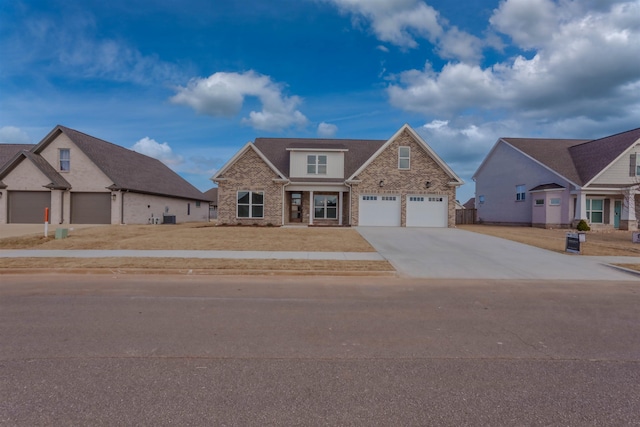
[(250, 204), (325, 207), (520, 193), (595, 210), (637, 164), (65, 159), (369, 197), (554, 201), (404, 157), (481, 199), (539, 202), (317, 164)]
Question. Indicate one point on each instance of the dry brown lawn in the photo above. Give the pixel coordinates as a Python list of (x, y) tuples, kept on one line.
[(204, 236), (201, 236), (151, 265), (598, 243)]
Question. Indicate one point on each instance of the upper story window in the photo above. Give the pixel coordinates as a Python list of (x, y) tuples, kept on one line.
[(317, 164), (65, 159), (520, 193), (637, 164), (404, 157)]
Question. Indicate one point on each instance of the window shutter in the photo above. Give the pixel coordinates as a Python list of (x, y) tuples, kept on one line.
[(632, 165)]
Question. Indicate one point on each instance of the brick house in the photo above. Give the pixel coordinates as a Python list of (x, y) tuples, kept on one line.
[(282, 181), (85, 180)]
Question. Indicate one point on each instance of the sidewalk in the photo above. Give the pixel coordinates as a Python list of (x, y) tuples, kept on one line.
[(342, 256)]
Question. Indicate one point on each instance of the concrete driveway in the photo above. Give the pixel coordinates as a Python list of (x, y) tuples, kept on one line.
[(458, 254)]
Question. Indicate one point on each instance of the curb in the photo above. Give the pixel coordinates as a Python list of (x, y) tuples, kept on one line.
[(624, 269)]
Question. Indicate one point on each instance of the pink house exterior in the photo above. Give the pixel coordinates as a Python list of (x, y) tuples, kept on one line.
[(555, 183)]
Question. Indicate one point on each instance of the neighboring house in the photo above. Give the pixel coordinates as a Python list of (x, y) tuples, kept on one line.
[(557, 182), (398, 182), (85, 180), (212, 196), (470, 204)]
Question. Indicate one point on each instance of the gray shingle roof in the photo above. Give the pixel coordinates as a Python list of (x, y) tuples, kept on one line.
[(554, 153), (8, 151), (57, 181), (551, 186), (592, 157), (578, 160), (212, 195), (127, 169), (359, 150)]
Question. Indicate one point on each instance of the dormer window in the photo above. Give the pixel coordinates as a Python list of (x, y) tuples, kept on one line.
[(404, 157), (316, 164), (65, 159)]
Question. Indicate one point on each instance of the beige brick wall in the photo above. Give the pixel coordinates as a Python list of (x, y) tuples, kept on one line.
[(249, 173), (412, 181), (139, 208), (83, 175)]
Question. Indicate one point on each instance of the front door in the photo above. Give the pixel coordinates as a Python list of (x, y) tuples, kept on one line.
[(296, 207), (617, 211)]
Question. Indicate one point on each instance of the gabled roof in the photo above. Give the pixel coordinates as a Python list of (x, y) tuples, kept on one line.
[(593, 157), (579, 161), (239, 154), (128, 170), (470, 204), (57, 181), (455, 179), (357, 150), (9, 151), (553, 153)]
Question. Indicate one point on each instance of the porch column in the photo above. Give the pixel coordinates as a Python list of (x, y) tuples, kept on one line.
[(628, 220), (581, 207), (340, 208), (312, 208)]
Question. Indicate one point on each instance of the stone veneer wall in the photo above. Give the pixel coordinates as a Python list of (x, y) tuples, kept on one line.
[(422, 169), (249, 173)]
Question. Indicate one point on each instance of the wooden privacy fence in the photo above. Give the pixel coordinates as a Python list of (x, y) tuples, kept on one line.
[(466, 216)]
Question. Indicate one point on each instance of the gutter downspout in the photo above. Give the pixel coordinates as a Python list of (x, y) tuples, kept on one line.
[(284, 201)]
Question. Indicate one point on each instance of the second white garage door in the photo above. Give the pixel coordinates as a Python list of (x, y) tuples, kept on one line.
[(379, 210), (427, 211)]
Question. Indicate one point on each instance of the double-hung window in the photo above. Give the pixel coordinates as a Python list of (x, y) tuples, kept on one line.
[(595, 210), (250, 204), (637, 164), (520, 193), (404, 157), (317, 164), (325, 207), (65, 159)]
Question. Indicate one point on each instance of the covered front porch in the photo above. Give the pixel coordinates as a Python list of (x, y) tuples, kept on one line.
[(316, 205), (607, 207)]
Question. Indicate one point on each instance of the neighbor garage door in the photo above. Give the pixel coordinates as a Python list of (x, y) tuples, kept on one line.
[(427, 211), (27, 207), (91, 208), (379, 210)]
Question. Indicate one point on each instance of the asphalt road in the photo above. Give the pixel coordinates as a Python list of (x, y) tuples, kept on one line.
[(167, 350)]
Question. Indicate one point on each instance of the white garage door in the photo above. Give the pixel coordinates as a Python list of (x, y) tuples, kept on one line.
[(379, 210), (427, 211)]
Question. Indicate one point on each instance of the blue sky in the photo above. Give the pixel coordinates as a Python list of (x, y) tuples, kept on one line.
[(191, 81)]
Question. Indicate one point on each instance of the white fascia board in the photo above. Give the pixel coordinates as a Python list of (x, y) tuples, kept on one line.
[(248, 146), (624, 153), (421, 142)]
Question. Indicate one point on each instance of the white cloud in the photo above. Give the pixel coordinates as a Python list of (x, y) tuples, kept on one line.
[(327, 130), (223, 94), (530, 23), (160, 151), (13, 135), (70, 45), (584, 68), (404, 22)]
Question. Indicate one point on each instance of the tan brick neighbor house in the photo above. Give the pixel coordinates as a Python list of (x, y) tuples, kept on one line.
[(282, 181), (85, 180)]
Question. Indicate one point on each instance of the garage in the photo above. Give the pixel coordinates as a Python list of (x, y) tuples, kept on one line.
[(379, 210), (27, 207), (427, 210), (91, 208)]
